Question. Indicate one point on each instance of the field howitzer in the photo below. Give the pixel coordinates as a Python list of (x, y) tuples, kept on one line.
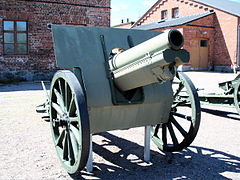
[(227, 95), (120, 79)]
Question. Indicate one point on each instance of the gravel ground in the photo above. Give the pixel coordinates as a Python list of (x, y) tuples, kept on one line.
[(27, 151)]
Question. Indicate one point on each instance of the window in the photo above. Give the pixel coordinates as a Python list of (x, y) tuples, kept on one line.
[(175, 13), (203, 43), (164, 14), (14, 37)]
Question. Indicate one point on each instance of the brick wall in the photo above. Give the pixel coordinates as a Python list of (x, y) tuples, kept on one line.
[(223, 39), (191, 32), (38, 15)]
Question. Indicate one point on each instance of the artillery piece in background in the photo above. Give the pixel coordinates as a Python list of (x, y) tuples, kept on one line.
[(226, 94), (120, 79)]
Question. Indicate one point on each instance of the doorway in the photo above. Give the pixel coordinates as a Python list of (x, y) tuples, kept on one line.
[(199, 53)]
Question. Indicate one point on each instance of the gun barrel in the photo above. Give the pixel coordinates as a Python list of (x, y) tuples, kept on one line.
[(152, 61), (172, 39)]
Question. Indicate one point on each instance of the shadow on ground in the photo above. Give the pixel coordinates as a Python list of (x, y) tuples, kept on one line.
[(221, 113), (192, 163)]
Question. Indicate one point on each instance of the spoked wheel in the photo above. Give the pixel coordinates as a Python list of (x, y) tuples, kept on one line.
[(184, 118), (69, 121), (237, 96)]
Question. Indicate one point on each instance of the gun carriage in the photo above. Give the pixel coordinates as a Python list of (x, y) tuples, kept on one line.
[(120, 79), (228, 94)]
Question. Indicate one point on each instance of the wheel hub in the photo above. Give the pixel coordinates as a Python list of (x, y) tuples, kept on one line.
[(64, 121)]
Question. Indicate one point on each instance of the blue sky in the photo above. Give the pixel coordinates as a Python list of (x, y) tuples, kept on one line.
[(132, 9)]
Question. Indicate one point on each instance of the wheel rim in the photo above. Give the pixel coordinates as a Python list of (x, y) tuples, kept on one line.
[(237, 96), (69, 121), (184, 118)]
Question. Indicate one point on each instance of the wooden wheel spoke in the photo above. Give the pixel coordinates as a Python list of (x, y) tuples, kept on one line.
[(55, 124), (60, 87), (72, 109), (71, 155), (74, 119), (60, 139), (156, 130), (189, 118), (181, 103), (75, 132), (71, 103), (172, 134), (66, 93), (58, 109), (74, 146), (65, 147), (178, 126), (59, 98), (180, 87), (164, 134)]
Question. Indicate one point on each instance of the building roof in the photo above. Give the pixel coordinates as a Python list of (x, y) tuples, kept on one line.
[(124, 24), (229, 6), (173, 22)]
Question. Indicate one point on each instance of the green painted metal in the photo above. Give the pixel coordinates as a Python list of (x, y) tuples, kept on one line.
[(229, 97), (155, 68), (229, 86), (151, 47), (83, 47), (217, 99), (80, 46), (69, 121), (88, 101), (152, 61), (237, 96), (184, 119), (44, 108)]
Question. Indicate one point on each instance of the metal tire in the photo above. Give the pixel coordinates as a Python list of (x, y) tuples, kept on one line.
[(69, 121), (189, 100)]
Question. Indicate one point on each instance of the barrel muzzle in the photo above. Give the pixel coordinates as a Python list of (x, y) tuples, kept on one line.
[(175, 39)]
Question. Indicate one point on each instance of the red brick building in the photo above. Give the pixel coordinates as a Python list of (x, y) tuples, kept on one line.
[(211, 29), (26, 49)]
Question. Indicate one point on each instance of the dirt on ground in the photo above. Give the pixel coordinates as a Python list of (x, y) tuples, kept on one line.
[(27, 150)]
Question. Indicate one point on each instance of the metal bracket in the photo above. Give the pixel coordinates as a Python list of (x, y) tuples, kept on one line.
[(118, 97), (147, 138), (89, 165)]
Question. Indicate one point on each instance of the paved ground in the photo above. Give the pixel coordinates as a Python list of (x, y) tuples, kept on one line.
[(27, 151)]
